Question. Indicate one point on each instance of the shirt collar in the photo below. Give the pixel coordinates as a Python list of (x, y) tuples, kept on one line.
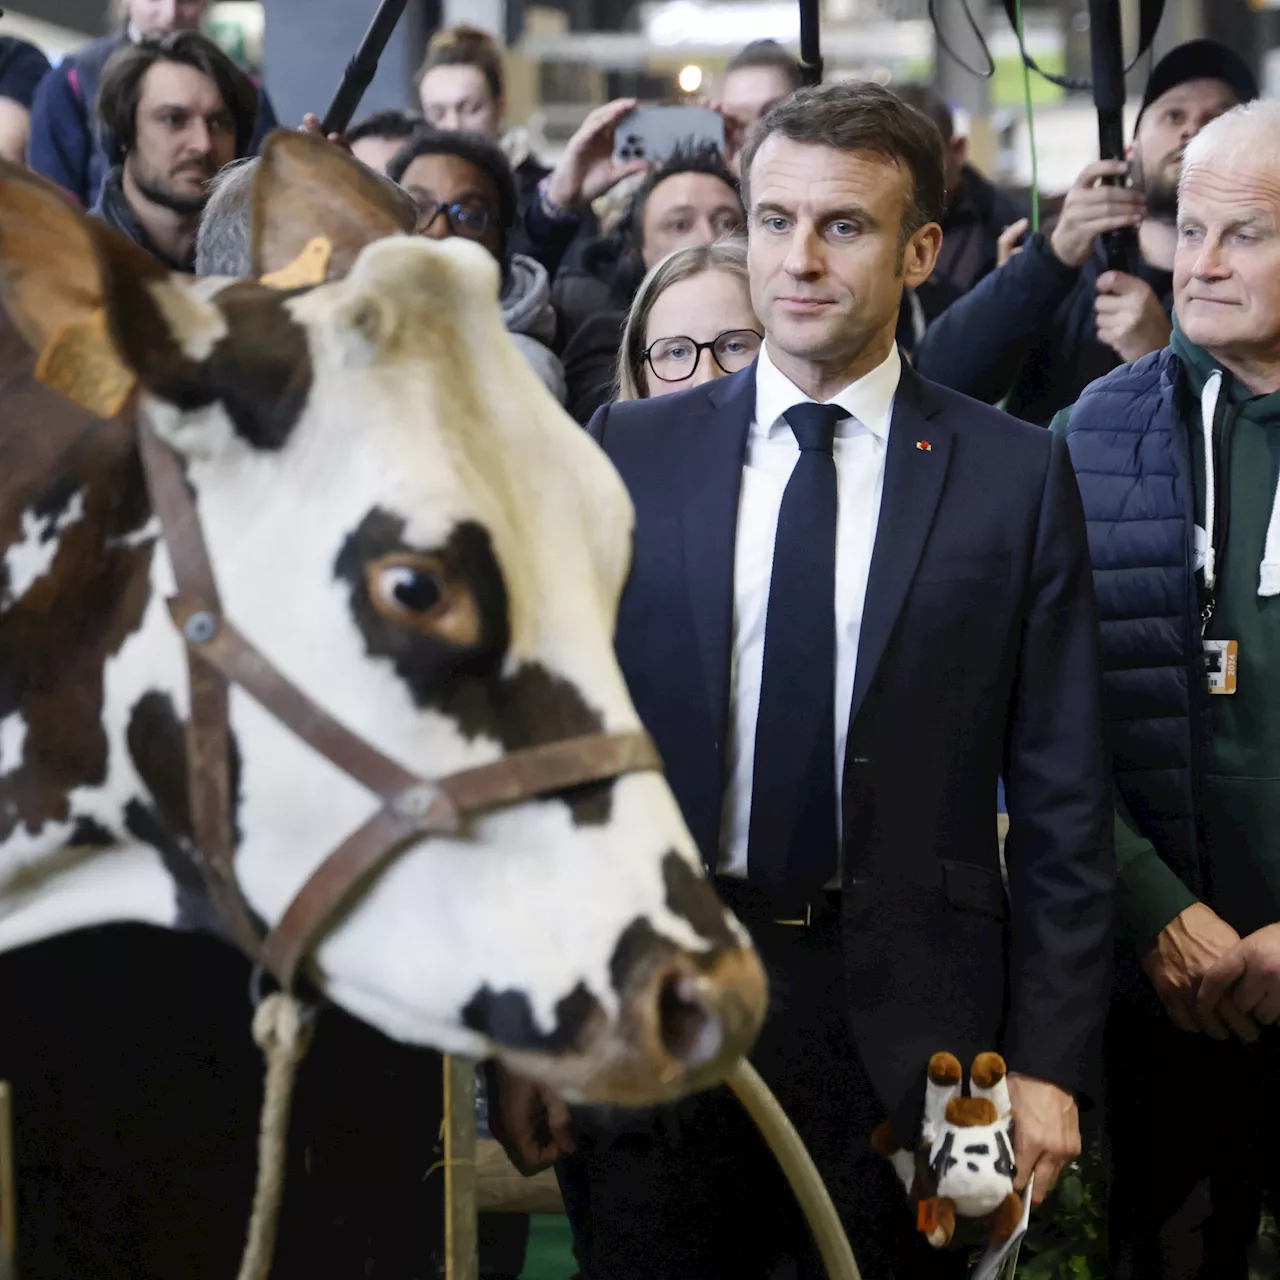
[(869, 399)]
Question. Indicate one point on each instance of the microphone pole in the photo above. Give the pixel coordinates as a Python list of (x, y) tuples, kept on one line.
[(1106, 54), (361, 69), (810, 43)]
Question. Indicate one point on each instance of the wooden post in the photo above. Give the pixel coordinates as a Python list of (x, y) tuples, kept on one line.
[(8, 1185), (461, 1251)]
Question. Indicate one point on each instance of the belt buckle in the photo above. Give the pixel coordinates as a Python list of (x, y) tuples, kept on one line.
[(803, 922)]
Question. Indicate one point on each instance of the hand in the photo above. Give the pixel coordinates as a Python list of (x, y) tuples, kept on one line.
[(736, 128), (1253, 966), (587, 169), (530, 1121), (1131, 320), (1092, 208), (1046, 1133), (1185, 950), (1007, 243), (311, 124)]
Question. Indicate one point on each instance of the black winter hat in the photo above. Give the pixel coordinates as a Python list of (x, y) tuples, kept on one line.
[(1200, 60)]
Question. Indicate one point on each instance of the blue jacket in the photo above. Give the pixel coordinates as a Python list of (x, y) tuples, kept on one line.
[(977, 657), (1132, 460), (64, 145)]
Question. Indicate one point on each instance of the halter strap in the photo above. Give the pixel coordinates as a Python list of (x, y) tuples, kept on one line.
[(414, 806)]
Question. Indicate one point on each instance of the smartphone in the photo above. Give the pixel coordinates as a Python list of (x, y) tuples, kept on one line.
[(653, 133)]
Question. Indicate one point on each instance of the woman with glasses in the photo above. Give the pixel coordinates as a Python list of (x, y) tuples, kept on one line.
[(691, 321), (463, 186)]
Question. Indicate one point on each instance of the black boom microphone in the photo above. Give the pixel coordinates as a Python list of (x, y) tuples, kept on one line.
[(810, 42), (362, 68), (1106, 54)]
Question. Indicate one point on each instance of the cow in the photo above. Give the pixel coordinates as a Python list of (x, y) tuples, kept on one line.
[(401, 519)]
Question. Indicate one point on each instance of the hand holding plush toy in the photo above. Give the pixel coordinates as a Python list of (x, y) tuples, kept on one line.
[(961, 1173)]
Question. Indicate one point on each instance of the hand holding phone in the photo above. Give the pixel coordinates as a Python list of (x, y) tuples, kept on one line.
[(651, 134)]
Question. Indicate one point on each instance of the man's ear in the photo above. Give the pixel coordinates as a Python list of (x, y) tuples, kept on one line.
[(920, 254), (959, 146), (311, 197)]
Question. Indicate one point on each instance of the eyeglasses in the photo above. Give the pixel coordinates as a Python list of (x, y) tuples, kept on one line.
[(463, 219), (676, 359)]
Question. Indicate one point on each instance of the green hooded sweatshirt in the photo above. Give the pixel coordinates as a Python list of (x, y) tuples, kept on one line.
[(1240, 799)]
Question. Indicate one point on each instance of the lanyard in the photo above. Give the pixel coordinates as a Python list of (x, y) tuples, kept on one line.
[(1208, 412)]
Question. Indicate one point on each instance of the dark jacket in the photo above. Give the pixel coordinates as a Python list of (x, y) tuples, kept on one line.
[(22, 67), (537, 235), (977, 656), (66, 146), (1133, 465), (114, 209), (1027, 331), (970, 229)]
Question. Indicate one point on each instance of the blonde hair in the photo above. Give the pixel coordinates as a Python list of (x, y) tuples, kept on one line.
[(729, 256), (466, 46)]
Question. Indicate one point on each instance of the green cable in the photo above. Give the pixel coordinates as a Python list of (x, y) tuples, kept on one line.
[(1031, 124)]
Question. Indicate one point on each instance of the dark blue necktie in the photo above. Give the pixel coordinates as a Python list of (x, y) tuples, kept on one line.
[(792, 844)]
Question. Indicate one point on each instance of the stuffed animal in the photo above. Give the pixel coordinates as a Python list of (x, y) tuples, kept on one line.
[(961, 1173)]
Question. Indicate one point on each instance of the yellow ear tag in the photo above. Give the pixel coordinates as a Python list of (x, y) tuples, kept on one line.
[(80, 362), (309, 268)]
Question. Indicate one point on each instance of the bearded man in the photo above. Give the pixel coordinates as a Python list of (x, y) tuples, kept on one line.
[(1054, 318), (174, 112)]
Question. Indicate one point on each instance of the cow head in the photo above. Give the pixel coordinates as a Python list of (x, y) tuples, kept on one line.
[(406, 524)]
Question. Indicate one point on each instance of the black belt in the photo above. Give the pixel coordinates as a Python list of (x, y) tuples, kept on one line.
[(755, 906)]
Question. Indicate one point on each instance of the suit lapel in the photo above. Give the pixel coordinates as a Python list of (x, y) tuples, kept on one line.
[(913, 480), (712, 480)]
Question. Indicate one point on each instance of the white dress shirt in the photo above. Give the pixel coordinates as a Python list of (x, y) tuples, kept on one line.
[(860, 443)]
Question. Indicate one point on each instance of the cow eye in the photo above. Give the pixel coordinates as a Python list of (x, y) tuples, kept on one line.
[(407, 587), (415, 590)]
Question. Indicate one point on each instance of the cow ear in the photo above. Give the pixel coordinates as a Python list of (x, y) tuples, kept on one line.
[(99, 312), (315, 207), (58, 274)]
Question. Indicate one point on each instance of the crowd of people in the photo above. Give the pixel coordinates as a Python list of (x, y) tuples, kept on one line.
[(862, 594)]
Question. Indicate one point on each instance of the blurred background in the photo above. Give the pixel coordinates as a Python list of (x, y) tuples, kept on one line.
[(566, 57)]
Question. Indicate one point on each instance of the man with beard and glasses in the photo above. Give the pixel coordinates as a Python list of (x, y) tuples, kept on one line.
[(1053, 319), (175, 111)]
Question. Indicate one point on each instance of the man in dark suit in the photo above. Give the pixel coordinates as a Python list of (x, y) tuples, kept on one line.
[(856, 601)]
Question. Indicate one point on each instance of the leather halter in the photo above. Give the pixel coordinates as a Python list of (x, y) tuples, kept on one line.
[(413, 806)]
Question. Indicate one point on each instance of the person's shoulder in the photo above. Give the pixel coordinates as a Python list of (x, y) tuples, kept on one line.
[(979, 421), (22, 67), (638, 425)]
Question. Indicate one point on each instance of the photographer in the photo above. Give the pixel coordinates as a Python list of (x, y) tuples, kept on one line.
[(1053, 319)]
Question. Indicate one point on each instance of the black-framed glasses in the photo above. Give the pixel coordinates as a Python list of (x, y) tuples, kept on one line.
[(464, 219), (676, 359)]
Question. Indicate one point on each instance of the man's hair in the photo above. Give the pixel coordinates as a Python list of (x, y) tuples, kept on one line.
[(929, 102), (476, 149), (465, 46), (126, 69), (390, 124), (766, 53), (728, 256), (863, 116), (224, 243), (1252, 128), (703, 157)]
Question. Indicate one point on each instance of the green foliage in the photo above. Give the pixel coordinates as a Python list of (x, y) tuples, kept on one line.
[(1068, 1237)]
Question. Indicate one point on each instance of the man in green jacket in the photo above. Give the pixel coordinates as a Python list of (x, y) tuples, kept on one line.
[(1178, 460)]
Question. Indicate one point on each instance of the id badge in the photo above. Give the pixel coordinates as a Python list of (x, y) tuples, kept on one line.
[(1222, 658)]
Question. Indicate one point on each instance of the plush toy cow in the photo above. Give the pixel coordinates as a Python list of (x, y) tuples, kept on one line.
[(961, 1173)]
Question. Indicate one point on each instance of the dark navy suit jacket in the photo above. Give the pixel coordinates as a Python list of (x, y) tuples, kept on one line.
[(978, 657)]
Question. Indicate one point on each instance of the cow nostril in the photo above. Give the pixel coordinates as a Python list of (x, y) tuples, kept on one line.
[(690, 1032)]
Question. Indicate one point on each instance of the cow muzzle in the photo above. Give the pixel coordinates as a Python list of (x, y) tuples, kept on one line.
[(684, 1019)]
